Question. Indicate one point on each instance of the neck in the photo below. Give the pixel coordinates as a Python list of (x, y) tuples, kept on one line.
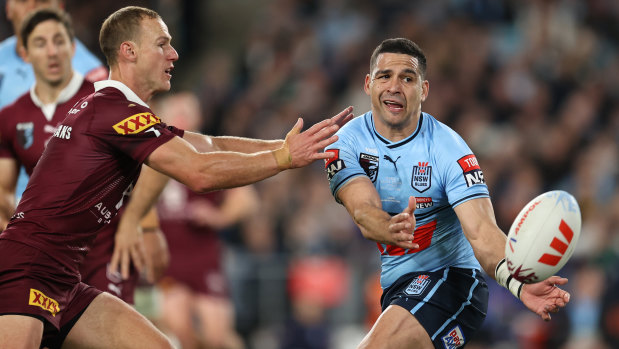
[(48, 93), (128, 77), (396, 132)]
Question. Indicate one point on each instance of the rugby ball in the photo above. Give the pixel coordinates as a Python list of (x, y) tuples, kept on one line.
[(543, 237)]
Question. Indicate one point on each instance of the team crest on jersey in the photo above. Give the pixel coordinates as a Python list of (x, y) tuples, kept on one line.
[(454, 338), (39, 299), (418, 285), (334, 164), (136, 123), (471, 170), (369, 163), (421, 179), (25, 134)]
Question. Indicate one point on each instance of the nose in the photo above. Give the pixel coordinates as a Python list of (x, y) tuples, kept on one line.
[(394, 85), (51, 48), (173, 55)]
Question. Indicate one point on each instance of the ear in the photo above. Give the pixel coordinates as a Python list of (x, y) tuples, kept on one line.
[(366, 85), (128, 51), (425, 89), (21, 50)]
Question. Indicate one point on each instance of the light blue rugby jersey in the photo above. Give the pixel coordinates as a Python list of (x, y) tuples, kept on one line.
[(17, 76), (436, 166)]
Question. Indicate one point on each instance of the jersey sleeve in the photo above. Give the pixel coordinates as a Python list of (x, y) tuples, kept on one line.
[(137, 133), (462, 176), (344, 165)]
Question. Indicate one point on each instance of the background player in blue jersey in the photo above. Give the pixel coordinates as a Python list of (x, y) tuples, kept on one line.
[(412, 184), (16, 75)]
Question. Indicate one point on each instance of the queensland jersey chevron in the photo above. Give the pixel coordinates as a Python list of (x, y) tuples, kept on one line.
[(433, 164)]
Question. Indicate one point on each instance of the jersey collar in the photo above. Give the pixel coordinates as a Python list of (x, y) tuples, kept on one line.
[(129, 94), (389, 143), (67, 93)]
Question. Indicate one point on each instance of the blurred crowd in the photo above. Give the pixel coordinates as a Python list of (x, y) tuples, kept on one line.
[(531, 85)]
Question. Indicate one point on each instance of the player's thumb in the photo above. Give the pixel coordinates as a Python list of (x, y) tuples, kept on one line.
[(296, 129), (412, 204)]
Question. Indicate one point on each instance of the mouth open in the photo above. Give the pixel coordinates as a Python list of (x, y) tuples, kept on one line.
[(168, 72), (393, 106)]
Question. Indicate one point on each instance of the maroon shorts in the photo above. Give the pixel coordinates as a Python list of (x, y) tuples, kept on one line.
[(33, 284), (95, 272)]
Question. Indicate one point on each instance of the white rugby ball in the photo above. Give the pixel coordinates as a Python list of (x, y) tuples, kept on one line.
[(543, 237)]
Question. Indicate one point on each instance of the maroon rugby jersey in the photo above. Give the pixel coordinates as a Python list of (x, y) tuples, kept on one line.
[(195, 250), (26, 125), (86, 173)]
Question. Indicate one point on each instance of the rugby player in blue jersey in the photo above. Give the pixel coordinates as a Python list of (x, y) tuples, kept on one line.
[(412, 185)]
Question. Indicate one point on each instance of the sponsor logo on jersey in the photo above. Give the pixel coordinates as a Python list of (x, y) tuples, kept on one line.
[(136, 123), (334, 164), (418, 285), (25, 134), (454, 338), (39, 299), (369, 163), (421, 179), (471, 170), (423, 202), (63, 132)]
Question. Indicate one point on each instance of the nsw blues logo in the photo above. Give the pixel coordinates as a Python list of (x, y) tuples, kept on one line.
[(418, 285), (25, 134), (421, 179), (369, 163)]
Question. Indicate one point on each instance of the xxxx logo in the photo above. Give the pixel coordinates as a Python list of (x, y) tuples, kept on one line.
[(37, 298), (136, 123)]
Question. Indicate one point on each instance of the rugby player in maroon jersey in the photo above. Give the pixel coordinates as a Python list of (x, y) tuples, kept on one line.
[(86, 174)]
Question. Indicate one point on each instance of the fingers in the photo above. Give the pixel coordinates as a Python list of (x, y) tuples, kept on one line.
[(343, 117), (296, 129), (556, 280), (412, 204)]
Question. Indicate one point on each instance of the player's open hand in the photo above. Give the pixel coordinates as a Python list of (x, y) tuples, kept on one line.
[(402, 227), (302, 148), (128, 248), (545, 297)]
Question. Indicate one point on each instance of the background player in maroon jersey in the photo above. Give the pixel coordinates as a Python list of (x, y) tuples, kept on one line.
[(196, 306), (88, 170), (27, 125)]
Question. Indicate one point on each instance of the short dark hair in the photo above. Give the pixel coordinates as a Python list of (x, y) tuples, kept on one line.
[(400, 45), (35, 18), (122, 25)]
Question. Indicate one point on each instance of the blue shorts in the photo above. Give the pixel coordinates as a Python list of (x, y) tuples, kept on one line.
[(449, 303)]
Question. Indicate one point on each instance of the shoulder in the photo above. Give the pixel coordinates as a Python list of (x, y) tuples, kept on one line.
[(7, 44), (443, 136), (357, 127), (22, 102)]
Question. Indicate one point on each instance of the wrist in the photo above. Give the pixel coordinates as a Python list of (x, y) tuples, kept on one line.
[(504, 278), (282, 157)]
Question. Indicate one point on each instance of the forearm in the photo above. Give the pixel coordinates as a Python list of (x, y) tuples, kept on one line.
[(373, 223), (203, 143), (489, 248), (246, 145), (147, 190)]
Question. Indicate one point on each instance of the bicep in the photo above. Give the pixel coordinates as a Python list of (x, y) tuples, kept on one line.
[(357, 194), (174, 159)]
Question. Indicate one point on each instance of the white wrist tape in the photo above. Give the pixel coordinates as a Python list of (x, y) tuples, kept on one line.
[(505, 279)]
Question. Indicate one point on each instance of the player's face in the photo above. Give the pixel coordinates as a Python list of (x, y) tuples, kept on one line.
[(16, 10), (396, 89), (156, 56), (50, 51)]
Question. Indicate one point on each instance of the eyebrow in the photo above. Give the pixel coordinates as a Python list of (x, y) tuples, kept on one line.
[(386, 71)]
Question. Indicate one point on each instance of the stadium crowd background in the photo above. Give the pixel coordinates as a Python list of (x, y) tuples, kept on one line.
[(532, 86)]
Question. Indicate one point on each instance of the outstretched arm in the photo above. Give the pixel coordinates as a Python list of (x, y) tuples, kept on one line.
[(362, 201), (488, 242), (224, 169)]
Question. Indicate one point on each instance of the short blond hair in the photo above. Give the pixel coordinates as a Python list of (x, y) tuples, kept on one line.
[(122, 25)]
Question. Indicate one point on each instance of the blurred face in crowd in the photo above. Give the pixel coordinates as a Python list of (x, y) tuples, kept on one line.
[(50, 50), (16, 10), (155, 56), (396, 89)]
